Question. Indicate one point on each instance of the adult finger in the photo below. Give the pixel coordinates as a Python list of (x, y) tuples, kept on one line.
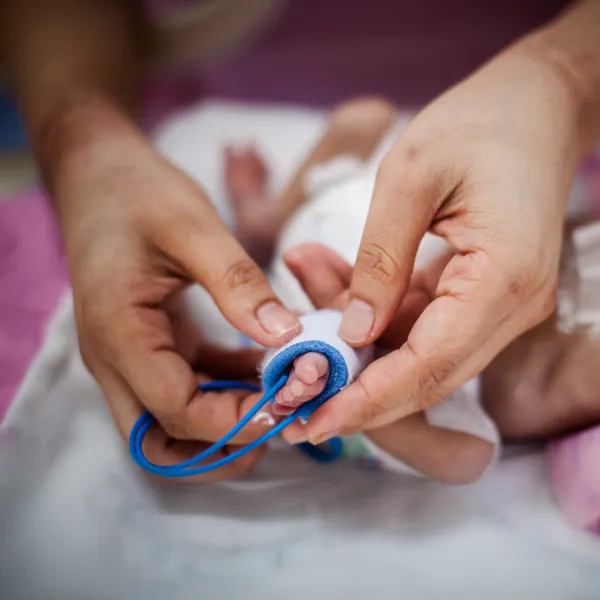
[(324, 275), (152, 372), (159, 447), (325, 278), (408, 192), (206, 250), (163, 450), (208, 417), (217, 361), (420, 293)]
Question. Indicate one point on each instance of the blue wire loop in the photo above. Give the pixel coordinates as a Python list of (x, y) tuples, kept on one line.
[(191, 467)]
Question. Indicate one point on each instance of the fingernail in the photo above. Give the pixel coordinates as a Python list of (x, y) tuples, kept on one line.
[(324, 437), (297, 389), (264, 418), (278, 321), (357, 321)]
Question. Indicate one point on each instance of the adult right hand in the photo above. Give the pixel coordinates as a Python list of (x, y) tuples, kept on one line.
[(488, 167), (137, 230)]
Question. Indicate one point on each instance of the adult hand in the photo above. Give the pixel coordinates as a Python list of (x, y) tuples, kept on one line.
[(325, 278), (137, 231), (488, 166)]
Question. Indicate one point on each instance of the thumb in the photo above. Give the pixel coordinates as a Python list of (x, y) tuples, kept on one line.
[(405, 199), (210, 254)]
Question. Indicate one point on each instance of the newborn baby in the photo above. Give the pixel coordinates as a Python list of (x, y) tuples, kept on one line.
[(326, 205)]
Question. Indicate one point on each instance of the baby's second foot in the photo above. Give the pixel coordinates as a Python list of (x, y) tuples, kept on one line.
[(258, 217), (246, 176), (306, 381)]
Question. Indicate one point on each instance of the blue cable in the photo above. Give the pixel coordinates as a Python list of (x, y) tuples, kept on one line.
[(188, 467), (334, 450)]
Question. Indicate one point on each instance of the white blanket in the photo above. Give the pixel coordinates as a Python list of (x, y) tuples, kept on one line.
[(78, 520)]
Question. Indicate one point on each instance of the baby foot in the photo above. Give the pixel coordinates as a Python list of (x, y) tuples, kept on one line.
[(246, 175), (258, 217), (306, 381)]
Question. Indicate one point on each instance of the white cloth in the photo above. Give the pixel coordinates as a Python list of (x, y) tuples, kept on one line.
[(579, 285), (78, 520)]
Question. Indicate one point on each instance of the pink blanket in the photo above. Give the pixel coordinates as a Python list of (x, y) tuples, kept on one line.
[(33, 275)]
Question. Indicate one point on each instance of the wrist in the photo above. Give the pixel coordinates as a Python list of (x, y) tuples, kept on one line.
[(86, 128), (575, 75)]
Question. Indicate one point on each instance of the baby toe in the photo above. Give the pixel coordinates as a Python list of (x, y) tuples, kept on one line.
[(311, 366)]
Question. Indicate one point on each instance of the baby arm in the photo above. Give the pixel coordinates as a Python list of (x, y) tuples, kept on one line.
[(437, 452), (442, 454)]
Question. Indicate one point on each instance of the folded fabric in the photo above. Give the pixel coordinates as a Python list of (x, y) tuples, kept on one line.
[(573, 461)]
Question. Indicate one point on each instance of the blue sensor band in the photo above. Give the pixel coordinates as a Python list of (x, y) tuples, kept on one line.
[(274, 378)]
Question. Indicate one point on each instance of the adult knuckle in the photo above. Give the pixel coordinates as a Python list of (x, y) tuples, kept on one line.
[(432, 398), (412, 152), (378, 263), (434, 375), (432, 371), (401, 161), (218, 413), (241, 274), (373, 405)]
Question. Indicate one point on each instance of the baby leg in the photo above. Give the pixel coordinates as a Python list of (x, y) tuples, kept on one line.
[(438, 453), (257, 216), (355, 128), (547, 382)]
